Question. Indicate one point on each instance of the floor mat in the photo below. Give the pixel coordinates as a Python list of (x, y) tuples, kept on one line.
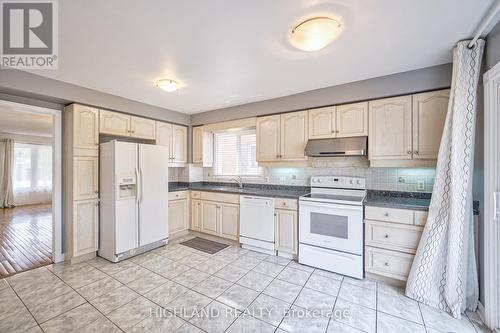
[(205, 245)]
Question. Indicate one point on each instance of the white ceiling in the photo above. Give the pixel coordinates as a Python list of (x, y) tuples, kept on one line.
[(230, 52), (21, 120)]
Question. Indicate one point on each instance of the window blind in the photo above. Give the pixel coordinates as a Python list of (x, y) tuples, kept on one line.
[(235, 153)]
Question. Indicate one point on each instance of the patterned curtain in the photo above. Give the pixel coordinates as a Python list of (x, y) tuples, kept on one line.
[(443, 274), (6, 164)]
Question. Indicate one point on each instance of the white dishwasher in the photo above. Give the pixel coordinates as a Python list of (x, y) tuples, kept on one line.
[(257, 223)]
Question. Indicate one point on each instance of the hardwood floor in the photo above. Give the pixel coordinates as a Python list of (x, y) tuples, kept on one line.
[(25, 238)]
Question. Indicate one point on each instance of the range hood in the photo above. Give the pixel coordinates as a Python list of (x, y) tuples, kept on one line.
[(337, 147)]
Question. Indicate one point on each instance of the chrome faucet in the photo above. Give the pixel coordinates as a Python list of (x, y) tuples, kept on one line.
[(238, 180)]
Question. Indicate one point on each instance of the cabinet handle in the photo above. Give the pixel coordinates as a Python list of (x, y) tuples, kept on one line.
[(96, 192), (386, 214), (416, 152), (333, 131), (386, 236), (386, 264), (409, 152)]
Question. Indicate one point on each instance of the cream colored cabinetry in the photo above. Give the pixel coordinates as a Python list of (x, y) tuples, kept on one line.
[(142, 128), (195, 215), (80, 168), (203, 147), (282, 137), (115, 123), (215, 213), (429, 114), (178, 222), (339, 121), (86, 227), (406, 131), (390, 129), (210, 216), (391, 239), (286, 226), (175, 137)]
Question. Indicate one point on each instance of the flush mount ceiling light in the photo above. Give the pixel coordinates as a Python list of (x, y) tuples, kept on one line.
[(168, 85), (315, 33)]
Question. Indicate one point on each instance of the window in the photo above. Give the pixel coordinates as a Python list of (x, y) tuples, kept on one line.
[(235, 153), (32, 173)]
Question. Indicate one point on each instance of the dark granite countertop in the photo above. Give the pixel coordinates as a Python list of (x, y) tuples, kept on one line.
[(264, 190), (403, 200)]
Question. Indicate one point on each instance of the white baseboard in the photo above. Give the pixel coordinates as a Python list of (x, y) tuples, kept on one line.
[(480, 310)]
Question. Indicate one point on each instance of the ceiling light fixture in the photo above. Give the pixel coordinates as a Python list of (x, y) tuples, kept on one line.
[(168, 85), (315, 33)]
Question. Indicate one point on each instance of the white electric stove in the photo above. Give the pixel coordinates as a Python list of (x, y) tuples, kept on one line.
[(331, 225)]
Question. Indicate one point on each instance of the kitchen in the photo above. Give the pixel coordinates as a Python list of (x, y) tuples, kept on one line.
[(340, 198)]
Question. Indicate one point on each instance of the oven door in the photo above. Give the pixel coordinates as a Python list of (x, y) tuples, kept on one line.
[(331, 226)]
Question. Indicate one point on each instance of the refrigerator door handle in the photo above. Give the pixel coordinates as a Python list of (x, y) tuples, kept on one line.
[(137, 185), (142, 192)]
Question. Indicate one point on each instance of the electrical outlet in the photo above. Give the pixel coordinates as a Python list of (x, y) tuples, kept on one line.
[(294, 176), (267, 179), (401, 180), (421, 185)]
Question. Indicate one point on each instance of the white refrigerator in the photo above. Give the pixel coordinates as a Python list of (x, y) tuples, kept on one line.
[(134, 199)]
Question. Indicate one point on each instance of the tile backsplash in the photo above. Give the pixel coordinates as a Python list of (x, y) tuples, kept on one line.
[(388, 179)]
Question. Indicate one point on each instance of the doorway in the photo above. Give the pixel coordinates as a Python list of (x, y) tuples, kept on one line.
[(30, 187)]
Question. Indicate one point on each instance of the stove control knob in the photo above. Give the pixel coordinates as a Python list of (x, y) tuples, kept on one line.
[(352, 182), (358, 182), (314, 180), (319, 180)]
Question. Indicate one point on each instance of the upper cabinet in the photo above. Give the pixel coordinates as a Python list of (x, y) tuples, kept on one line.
[(282, 137), (351, 120), (406, 130), (203, 146), (390, 129), (339, 121), (175, 137), (115, 123), (322, 123), (429, 114), (85, 128), (142, 128)]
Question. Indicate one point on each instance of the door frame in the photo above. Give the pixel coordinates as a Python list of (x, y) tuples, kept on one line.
[(57, 253), (491, 245)]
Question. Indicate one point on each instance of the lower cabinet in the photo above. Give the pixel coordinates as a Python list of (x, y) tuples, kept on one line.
[(286, 230), (177, 217), (85, 226), (195, 215), (211, 215)]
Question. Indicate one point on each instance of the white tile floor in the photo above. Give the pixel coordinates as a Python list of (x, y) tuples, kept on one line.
[(176, 288)]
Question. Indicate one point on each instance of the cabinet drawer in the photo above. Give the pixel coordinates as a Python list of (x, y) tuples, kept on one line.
[(388, 263), (421, 217), (389, 214), (281, 203), (392, 236), (220, 197), (177, 195), (195, 194)]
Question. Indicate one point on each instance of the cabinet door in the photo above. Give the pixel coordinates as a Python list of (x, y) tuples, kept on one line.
[(178, 145), (114, 123), (195, 215), (429, 114), (230, 217), (142, 128), (293, 136), (352, 120), (390, 127), (209, 217), (286, 230), (177, 216), (85, 224), (268, 138), (197, 144), (85, 177), (322, 123), (85, 127)]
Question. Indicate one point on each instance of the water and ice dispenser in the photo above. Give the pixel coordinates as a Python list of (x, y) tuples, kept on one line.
[(127, 186)]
